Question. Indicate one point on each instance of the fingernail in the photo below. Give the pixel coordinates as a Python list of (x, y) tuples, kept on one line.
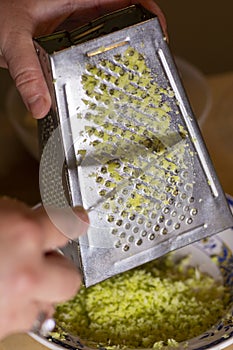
[(36, 105)]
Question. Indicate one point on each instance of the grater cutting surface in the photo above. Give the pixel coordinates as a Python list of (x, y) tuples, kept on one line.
[(135, 158)]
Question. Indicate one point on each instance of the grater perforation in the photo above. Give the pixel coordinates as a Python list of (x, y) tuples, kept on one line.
[(134, 156)]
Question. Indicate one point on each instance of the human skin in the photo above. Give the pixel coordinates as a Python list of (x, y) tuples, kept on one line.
[(22, 20), (32, 275)]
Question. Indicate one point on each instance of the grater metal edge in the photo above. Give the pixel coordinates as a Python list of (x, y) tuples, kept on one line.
[(98, 263)]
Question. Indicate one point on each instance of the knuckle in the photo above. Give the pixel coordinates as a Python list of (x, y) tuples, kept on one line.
[(26, 77)]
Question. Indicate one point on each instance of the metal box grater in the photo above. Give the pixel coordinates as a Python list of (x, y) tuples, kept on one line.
[(121, 140)]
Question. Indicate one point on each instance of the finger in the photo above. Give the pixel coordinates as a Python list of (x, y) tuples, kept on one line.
[(59, 224), (72, 222), (34, 319), (47, 279), (33, 231), (25, 69), (152, 6), (31, 234), (58, 280), (43, 324), (2, 61), (18, 318)]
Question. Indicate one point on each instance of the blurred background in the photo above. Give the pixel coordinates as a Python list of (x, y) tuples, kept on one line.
[(201, 32)]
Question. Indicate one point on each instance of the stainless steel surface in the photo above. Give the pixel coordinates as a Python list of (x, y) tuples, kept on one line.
[(190, 203)]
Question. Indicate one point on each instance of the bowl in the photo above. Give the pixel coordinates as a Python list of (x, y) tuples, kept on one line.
[(197, 89), (193, 80), (213, 256), (218, 130)]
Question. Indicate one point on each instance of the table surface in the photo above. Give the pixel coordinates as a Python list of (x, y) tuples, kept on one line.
[(19, 170)]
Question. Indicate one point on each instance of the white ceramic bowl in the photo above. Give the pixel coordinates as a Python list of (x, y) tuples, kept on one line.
[(197, 89), (220, 335), (193, 80)]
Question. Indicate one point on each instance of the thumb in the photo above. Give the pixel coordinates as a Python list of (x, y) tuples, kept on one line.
[(25, 69), (72, 222)]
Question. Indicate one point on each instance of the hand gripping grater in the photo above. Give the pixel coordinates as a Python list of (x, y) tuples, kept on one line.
[(121, 140)]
